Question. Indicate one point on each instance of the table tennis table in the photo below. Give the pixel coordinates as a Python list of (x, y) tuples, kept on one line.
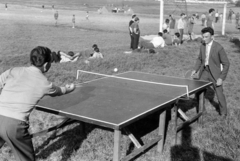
[(115, 103)]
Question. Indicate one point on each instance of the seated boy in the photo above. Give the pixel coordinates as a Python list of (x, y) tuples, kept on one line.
[(22, 88), (176, 39), (167, 37), (96, 53)]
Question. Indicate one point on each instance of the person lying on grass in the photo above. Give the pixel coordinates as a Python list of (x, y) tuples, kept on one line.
[(156, 42), (61, 57), (22, 88)]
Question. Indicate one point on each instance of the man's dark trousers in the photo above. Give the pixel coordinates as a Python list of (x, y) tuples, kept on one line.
[(206, 75)]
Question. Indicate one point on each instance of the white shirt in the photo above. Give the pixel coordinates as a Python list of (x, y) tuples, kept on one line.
[(165, 27), (208, 48), (180, 24), (158, 42), (22, 88)]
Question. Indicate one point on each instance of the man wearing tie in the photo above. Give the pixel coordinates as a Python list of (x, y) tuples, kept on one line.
[(212, 55)]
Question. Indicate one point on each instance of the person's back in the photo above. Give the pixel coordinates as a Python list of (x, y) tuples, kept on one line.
[(22, 83), (167, 38), (96, 54), (203, 16), (22, 88), (158, 41), (56, 15), (172, 23), (210, 21)]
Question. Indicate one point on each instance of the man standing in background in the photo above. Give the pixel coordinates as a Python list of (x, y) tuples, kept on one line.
[(210, 18), (56, 17), (135, 33), (172, 26), (180, 26), (130, 30)]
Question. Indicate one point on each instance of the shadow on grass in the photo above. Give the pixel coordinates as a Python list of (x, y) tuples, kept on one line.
[(70, 141), (187, 152)]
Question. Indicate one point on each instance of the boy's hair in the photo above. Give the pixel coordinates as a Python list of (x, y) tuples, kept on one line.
[(134, 15), (70, 53), (165, 31), (152, 51), (182, 14), (211, 10), (177, 34), (40, 55), (207, 29), (167, 20), (96, 50), (94, 46), (160, 34)]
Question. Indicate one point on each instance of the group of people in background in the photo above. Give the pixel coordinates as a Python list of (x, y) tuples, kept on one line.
[(232, 16), (173, 30), (167, 37)]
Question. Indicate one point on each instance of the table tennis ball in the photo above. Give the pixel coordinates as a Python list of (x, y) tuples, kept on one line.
[(115, 69)]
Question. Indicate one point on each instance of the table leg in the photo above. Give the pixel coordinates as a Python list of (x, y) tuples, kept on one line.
[(116, 151), (161, 131), (176, 121), (82, 128), (201, 106)]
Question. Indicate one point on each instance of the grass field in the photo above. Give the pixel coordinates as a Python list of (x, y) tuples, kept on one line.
[(24, 26)]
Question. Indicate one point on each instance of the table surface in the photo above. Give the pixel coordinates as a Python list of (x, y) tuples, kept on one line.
[(114, 103)]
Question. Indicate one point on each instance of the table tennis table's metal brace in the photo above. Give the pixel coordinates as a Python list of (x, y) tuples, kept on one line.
[(187, 120), (64, 123), (142, 149), (132, 138)]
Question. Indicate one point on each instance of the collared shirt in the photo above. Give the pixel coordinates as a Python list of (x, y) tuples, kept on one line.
[(22, 88), (180, 24), (208, 48), (158, 42)]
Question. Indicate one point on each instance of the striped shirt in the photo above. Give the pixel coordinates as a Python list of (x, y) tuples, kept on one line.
[(22, 88)]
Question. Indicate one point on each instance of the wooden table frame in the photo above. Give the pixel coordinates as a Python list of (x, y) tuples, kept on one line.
[(140, 148)]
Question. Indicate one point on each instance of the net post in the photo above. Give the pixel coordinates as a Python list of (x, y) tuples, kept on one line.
[(187, 91), (224, 18), (161, 15), (77, 75)]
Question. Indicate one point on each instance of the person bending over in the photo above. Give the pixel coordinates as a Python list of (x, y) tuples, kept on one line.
[(167, 38), (156, 42), (22, 88)]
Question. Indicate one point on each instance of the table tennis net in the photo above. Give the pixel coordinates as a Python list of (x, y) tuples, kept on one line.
[(137, 85)]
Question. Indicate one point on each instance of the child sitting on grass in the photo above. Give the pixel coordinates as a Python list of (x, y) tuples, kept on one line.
[(96, 54), (176, 39)]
